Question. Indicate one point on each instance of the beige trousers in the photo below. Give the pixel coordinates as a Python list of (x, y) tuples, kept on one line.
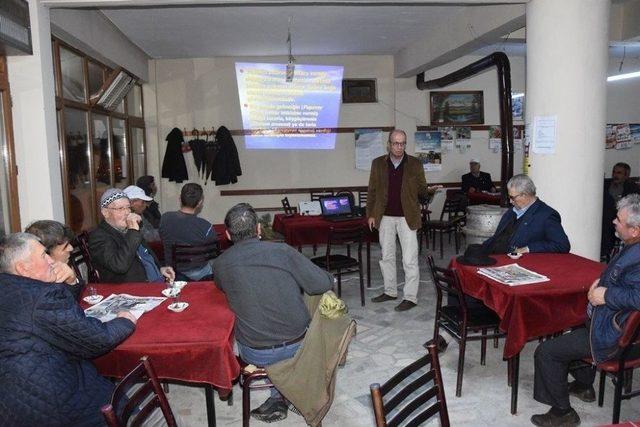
[(390, 227)]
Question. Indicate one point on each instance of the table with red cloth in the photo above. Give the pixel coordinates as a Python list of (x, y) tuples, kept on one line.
[(479, 198), (530, 311), (158, 248), (301, 230), (194, 346)]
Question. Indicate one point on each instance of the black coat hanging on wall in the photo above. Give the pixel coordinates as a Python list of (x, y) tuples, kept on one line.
[(226, 164), (174, 166)]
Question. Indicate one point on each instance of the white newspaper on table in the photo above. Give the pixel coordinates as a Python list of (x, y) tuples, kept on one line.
[(513, 275), (109, 307)]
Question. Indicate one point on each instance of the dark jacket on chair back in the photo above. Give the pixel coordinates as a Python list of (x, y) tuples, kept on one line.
[(46, 343)]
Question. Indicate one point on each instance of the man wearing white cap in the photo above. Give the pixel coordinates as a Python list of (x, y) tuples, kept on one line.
[(476, 180), (139, 201), (117, 248)]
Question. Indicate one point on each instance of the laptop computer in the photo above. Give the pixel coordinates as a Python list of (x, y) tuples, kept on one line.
[(337, 208)]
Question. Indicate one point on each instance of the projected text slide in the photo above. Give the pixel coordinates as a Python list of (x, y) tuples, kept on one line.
[(277, 114)]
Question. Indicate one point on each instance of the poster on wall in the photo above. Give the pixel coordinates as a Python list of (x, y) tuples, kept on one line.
[(517, 107), (495, 138), (517, 138), (610, 141), (429, 150), (623, 136), (634, 133), (369, 145), (447, 138)]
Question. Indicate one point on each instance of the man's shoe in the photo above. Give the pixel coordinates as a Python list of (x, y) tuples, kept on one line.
[(271, 410), (570, 419), (383, 298), (586, 394), (405, 305)]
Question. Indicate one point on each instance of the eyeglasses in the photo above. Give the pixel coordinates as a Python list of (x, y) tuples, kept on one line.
[(123, 208), (515, 197), (399, 144)]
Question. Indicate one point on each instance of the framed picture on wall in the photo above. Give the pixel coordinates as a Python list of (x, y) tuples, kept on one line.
[(359, 91), (457, 108)]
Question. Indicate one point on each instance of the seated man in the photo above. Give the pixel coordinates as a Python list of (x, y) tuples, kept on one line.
[(46, 343), (530, 226), (56, 239), (186, 228), (117, 248), (152, 213), (139, 200), (476, 180), (263, 282), (611, 298)]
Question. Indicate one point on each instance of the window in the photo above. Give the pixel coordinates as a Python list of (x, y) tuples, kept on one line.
[(9, 209), (98, 148)]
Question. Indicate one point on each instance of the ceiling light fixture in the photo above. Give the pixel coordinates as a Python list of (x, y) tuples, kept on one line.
[(623, 76), (517, 95), (291, 65)]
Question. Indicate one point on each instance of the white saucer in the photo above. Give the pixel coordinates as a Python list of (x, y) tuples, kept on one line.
[(178, 306), (171, 292), (514, 256), (179, 284), (93, 299)]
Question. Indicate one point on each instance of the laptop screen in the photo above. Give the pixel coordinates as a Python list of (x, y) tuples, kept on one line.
[(335, 205)]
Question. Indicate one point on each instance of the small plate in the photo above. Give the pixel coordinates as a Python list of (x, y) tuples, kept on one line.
[(179, 284), (514, 256), (178, 306), (171, 292), (93, 299)]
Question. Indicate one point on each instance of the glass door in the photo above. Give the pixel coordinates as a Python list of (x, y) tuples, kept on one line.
[(9, 209)]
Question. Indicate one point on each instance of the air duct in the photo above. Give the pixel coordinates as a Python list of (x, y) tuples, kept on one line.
[(114, 89)]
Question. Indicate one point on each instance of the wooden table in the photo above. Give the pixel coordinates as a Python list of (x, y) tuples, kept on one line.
[(531, 311), (194, 346)]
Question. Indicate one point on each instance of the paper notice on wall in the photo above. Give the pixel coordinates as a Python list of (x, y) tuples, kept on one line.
[(429, 150), (610, 137), (634, 130), (369, 145), (623, 136), (544, 134)]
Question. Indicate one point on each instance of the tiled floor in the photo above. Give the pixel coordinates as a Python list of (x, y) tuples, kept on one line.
[(388, 340)]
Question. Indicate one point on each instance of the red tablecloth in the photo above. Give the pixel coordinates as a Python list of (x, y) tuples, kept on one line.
[(529, 311), (301, 230), (158, 248), (194, 346), (478, 198)]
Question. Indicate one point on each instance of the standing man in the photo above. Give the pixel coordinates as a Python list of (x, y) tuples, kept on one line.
[(612, 298), (476, 180), (396, 181), (615, 188)]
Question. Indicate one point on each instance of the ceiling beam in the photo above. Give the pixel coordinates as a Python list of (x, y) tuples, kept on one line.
[(163, 3)]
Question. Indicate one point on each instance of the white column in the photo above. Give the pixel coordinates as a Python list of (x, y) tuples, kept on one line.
[(566, 77), (34, 124)]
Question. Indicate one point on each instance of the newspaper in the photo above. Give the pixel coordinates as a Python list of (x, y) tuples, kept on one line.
[(109, 307), (513, 275)]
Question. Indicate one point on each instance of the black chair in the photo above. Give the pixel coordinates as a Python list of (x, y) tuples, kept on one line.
[(147, 397), (316, 195), (463, 323), (343, 264), (183, 256), (452, 218), (288, 210), (80, 256), (251, 378), (423, 231), (413, 387), (621, 367)]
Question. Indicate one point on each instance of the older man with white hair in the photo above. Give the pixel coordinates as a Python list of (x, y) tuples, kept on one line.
[(117, 248), (46, 342), (530, 225)]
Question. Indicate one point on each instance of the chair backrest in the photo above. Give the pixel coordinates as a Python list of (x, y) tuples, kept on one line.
[(286, 206), (446, 281), (413, 387), (345, 236), (122, 407), (185, 255), (316, 195), (80, 257), (362, 198), (454, 207), (631, 331)]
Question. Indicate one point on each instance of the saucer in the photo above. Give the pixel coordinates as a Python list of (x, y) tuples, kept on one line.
[(93, 299), (171, 292), (516, 256), (178, 306), (179, 284)]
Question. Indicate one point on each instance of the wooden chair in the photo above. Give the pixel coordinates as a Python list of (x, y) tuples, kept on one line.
[(251, 378), (147, 397), (452, 218), (425, 214), (185, 255), (477, 323), (413, 393), (80, 257), (344, 264), (286, 206), (622, 366), (316, 195)]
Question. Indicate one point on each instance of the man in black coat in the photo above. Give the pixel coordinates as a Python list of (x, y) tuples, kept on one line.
[(46, 343), (476, 180), (117, 248), (615, 188)]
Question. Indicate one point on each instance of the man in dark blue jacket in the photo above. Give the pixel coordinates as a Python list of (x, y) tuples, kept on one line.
[(530, 226), (612, 298), (46, 343)]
